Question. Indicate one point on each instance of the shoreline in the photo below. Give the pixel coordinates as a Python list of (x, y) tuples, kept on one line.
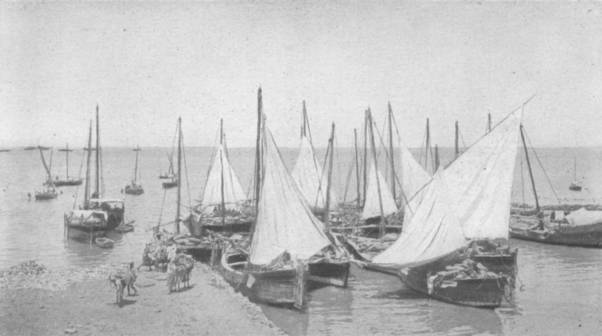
[(83, 303)]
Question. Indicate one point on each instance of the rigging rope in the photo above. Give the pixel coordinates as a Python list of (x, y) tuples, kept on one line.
[(542, 167)]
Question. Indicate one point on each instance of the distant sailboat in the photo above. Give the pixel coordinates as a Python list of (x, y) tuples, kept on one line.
[(170, 175), (49, 191), (576, 184), (134, 188), (67, 181)]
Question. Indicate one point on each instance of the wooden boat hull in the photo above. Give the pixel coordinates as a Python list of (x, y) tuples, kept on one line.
[(584, 236), (45, 196), (496, 259), (383, 268), (169, 185), (285, 287), (329, 273), (483, 293), (133, 190), (66, 183)]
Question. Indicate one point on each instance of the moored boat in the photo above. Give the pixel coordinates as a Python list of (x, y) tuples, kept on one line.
[(104, 242), (67, 180), (48, 191), (134, 188)]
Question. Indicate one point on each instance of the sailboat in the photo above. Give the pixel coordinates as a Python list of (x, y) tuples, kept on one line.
[(134, 188), (576, 184), (49, 191), (582, 227), (287, 239), (468, 200), (170, 173), (223, 207), (173, 179), (308, 174), (97, 214), (67, 181)]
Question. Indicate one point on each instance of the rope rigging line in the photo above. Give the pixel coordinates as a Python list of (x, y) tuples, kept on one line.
[(185, 170), (542, 167)]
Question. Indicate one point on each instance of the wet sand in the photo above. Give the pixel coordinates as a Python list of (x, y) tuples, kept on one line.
[(50, 304)]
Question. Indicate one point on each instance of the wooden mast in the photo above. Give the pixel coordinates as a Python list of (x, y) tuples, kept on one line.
[(67, 160), (488, 122), (427, 144), (221, 162), (392, 153), (179, 180), (258, 156), (522, 136), (97, 186), (436, 157), (357, 170), (381, 229), (365, 176), (304, 121), (457, 141), (137, 150), (326, 218), (87, 183)]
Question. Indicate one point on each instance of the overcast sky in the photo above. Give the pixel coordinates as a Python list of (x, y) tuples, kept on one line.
[(147, 63)]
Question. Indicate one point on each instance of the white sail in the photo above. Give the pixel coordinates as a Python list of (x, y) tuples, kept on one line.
[(233, 191), (371, 204), (412, 176), (307, 173), (433, 230), (480, 181), (284, 220)]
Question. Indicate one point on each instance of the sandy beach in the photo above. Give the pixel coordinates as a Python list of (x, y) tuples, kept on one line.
[(82, 302)]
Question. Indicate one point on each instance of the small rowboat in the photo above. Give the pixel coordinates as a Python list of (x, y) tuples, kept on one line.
[(104, 242), (124, 228)]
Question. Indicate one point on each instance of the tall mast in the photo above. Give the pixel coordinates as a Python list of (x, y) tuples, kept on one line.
[(137, 150), (436, 157), (488, 122), (179, 180), (522, 136), (357, 170), (258, 153), (304, 122), (67, 160), (391, 150), (427, 144), (97, 187), (381, 230), (326, 218), (365, 173), (457, 141), (574, 167), (87, 184), (221, 162)]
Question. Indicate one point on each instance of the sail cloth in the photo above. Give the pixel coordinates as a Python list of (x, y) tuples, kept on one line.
[(584, 217), (371, 204), (412, 175), (233, 191), (434, 229), (284, 221), (307, 173), (480, 181)]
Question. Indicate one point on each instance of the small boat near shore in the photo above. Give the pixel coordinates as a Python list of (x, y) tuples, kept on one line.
[(104, 242), (67, 180)]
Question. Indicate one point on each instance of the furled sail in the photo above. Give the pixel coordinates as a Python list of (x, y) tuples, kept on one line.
[(481, 181), (433, 230), (307, 173), (371, 204), (233, 191), (284, 221)]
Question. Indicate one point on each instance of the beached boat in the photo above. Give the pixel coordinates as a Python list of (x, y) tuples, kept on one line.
[(134, 188), (224, 206), (67, 181), (438, 252), (286, 237), (97, 214)]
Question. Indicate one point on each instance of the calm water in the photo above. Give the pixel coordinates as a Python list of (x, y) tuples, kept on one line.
[(561, 286)]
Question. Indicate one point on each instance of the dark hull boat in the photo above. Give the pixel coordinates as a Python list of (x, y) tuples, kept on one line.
[(430, 278), (329, 273), (284, 287), (170, 184), (575, 187), (46, 195), (134, 189), (67, 182), (582, 235), (498, 259)]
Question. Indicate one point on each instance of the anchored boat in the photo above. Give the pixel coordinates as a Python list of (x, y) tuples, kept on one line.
[(67, 181), (48, 191), (134, 188)]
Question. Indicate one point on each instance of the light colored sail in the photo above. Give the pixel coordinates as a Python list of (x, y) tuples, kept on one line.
[(413, 177), (307, 173), (433, 230), (284, 221), (480, 181), (371, 205), (233, 191)]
